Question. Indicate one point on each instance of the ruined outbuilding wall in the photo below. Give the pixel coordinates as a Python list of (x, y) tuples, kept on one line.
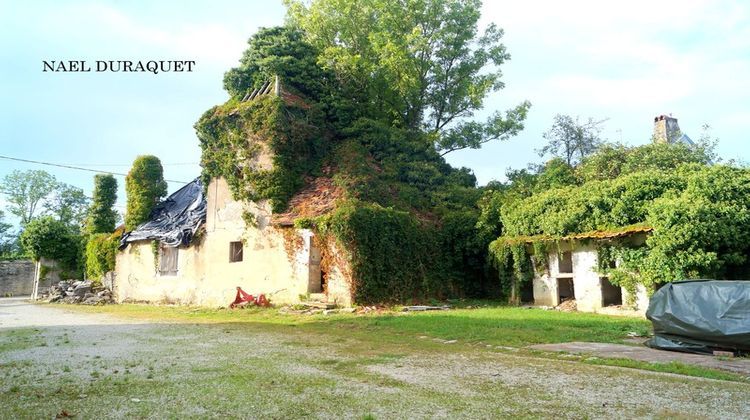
[(582, 270)]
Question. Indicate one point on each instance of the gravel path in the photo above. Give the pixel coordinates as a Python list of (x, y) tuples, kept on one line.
[(19, 313), (98, 366)]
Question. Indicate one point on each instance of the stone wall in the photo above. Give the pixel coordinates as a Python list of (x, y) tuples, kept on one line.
[(16, 278)]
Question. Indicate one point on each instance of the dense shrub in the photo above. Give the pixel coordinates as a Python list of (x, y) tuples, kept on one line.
[(392, 256), (100, 254), (46, 237)]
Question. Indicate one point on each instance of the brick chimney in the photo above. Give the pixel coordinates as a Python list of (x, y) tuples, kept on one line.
[(666, 129)]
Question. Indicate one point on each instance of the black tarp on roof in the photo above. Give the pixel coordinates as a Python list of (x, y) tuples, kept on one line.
[(175, 220), (701, 316)]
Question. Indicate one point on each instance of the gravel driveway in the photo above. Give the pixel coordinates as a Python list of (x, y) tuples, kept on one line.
[(56, 362)]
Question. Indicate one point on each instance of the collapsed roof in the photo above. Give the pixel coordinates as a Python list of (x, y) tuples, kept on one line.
[(174, 221)]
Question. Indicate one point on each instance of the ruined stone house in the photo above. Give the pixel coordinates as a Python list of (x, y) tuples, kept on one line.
[(201, 244)]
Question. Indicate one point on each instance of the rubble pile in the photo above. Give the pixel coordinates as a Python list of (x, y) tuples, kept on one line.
[(78, 291)]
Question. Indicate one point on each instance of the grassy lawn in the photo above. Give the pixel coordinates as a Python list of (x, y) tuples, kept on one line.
[(500, 326), (198, 362)]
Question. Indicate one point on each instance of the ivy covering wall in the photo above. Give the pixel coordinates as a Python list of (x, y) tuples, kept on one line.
[(235, 136), (700, 216)]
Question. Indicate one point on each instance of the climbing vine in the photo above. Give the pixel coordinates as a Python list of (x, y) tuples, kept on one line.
[(263, 148), (698, 215), (393, 257)]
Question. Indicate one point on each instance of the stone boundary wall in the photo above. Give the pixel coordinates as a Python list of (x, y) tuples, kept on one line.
[(16, 278)]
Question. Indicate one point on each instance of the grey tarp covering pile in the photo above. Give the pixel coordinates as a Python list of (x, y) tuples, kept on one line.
[(175, 220), (701, 316)]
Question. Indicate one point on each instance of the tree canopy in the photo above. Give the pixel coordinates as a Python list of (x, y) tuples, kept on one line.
[(277, 51), (45, 237), (26, 192), (422, 65), (572, 140), (69, 205)]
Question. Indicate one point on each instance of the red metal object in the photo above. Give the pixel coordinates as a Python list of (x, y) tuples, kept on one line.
[(244, 298)]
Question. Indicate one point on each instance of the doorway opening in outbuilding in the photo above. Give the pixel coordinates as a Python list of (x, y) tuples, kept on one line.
[(317, 277), (527, 292), (611, 294), (565, 289)]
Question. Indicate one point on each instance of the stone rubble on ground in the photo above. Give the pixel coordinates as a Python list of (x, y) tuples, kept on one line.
[(78, 291)]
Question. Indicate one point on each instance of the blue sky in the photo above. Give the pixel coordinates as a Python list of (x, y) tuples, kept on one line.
[(628, 62)]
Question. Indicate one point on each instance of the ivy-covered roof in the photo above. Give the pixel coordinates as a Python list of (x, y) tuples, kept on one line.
[(593, 234)]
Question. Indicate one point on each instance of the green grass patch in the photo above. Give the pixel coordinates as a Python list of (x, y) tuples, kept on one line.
[(377, 338), (506, 326)]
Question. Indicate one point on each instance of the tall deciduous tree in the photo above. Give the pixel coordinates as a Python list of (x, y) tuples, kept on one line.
[(102, 216), (26, 192), (6, 238), (572, 140), (419, 64), (144, 186), (68, 204)]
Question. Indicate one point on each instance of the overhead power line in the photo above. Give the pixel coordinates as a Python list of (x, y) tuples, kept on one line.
[(130, 164), (76, 168)]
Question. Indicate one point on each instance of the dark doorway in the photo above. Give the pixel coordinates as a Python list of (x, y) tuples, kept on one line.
[(565, 289), (527, 292), (611, 294)]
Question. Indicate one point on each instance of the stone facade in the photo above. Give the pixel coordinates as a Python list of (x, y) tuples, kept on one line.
[(16, 278), (284, 263)]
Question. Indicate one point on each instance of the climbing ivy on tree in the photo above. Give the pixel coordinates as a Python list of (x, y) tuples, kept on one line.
[(144, 186), (102, 216)]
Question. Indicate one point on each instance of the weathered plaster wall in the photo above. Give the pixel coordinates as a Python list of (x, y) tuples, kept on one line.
[(276, 261), (338, 275), (16, 277), (545, 285), (586, 280), (588, 291)]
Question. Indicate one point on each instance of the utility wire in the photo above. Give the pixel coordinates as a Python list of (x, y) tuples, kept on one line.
[(130, 164), (76, 168)]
